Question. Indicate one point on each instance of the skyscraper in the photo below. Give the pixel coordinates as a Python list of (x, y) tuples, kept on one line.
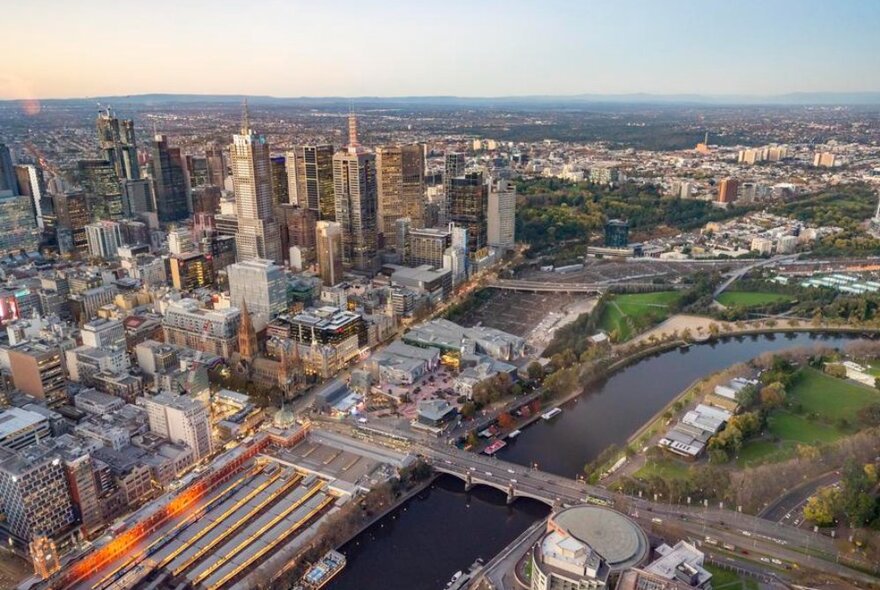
[(468, 205), (104, 238), (72, 216), (401, 187), (216, 165), (31, 184), (169, 181), (258, 235), (454, 167), (354, 186), (102, 187), (280, 191), (310, 179), (18, 227), (501, 214), (118, 145), (329, 245), (7, 172)]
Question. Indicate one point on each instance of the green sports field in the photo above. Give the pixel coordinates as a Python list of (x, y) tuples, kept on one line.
[(629, 314)]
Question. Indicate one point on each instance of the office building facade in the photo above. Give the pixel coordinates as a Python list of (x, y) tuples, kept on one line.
[(401, 188), (258, 234), (170, 187), (310, 179)]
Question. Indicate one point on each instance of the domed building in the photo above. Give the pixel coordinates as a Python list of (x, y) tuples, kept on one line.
[(584, 546), (284, 418)]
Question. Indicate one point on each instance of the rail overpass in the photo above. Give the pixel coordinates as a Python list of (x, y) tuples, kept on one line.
[(557, 287)]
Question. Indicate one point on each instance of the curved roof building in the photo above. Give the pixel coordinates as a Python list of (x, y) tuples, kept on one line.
[(583, 546)]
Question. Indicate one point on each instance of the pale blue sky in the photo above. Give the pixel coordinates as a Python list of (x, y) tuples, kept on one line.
[(64, 48)]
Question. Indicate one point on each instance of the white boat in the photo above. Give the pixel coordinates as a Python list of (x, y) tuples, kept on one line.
[(551, 414), (514, 434)]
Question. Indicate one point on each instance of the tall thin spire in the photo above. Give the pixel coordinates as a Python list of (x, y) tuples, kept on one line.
[(245, 119), (352, 132)]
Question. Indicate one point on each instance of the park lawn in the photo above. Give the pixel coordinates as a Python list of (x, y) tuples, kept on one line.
[(665, 468), (757, 452), (830, 397), (873, 368), (643, 308), (789, 427), (750, 298), (723, 579)]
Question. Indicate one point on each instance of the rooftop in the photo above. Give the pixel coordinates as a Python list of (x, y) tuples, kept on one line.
[(619, 540)]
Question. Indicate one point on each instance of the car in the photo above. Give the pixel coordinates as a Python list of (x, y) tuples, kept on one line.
[(776, 561), (511, 471), (765, 559), (657, 520), (489, 473), (513, 481)]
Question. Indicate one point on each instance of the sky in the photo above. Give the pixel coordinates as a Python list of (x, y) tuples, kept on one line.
[(80, 48)]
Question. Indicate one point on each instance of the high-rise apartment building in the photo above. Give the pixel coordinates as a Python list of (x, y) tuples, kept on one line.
[(258, 234), (182, 420), (261, 284), (468, 205), (727, 190), (104, 238), (170, 186), (118, 145), (401, 187), (502, 215), (310, 179), (354, 182), (329, 246)]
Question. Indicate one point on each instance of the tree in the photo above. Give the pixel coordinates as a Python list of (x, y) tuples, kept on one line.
[(468, 409), (773, 395), (535, 371), (835, 370), (822, 507), (748, 396), (505, 420)]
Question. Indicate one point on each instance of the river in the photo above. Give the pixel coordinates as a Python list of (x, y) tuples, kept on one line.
[(424, 542)]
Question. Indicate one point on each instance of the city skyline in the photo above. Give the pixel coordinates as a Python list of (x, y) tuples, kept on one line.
[(570, 49)]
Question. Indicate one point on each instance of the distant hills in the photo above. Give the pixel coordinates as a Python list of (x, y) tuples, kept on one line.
[(795, 98)]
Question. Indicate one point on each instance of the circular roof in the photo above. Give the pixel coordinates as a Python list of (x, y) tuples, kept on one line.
[(619, 540)]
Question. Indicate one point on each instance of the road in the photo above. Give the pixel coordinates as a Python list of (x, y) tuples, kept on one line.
[(751, 535), (781, 510), (741, 272)]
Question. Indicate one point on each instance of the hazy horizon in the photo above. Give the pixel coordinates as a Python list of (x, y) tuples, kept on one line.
[(460, 49)]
